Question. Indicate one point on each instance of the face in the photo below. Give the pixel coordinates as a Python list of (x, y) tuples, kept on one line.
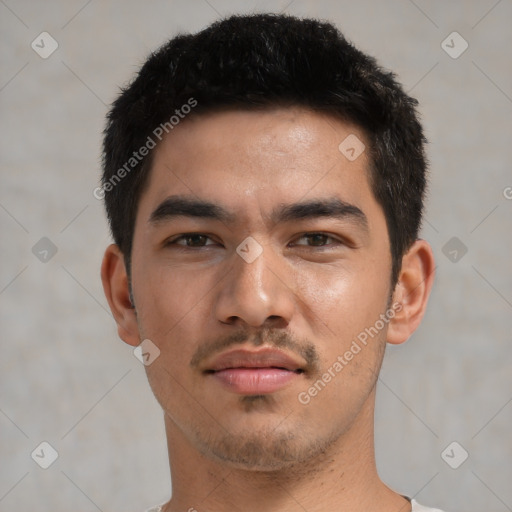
[(260, 261)]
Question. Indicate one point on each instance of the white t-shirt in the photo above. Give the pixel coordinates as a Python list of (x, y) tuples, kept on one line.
[(416, 507)]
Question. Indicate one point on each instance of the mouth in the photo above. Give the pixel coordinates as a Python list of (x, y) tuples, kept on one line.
[(255, 372)]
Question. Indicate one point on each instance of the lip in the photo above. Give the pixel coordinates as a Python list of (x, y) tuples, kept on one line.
[(254, 372), (262, 358)]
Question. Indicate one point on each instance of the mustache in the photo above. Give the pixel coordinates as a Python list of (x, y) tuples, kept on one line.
[(275, 338)]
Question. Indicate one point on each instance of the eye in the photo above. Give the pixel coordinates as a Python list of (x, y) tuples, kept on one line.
[(191, 240), (318, 240)]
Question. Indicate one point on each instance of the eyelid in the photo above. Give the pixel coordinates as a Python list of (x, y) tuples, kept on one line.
[(338, 239), (334, 240), (173, 239)]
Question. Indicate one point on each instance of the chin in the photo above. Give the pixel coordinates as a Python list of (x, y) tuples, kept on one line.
[(264, 451)]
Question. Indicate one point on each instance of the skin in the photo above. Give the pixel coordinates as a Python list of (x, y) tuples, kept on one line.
[(311, 295)]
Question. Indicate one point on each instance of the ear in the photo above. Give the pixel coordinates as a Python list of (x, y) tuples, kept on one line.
[(115, 285), (411, 291)]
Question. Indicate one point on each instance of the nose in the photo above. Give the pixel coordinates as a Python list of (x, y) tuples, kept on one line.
[(256, 293)]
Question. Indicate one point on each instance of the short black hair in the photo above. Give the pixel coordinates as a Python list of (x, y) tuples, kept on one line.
[(265, 61)]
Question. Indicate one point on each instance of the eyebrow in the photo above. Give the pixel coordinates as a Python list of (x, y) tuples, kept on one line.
[(183, 206), (331, 207)]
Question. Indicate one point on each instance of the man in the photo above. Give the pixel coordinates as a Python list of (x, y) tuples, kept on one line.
[(264, 183)]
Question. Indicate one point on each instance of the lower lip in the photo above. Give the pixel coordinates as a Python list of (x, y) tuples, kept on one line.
[(254, 381)]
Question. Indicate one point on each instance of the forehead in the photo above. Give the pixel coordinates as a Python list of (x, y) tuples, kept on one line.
[(241, 157)]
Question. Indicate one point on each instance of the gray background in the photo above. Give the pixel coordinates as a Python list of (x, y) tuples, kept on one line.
[(65, 378)]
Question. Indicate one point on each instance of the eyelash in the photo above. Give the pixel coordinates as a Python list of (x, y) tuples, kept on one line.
[(185, 236)]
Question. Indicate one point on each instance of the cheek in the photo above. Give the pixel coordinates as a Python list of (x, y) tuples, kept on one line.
[(175, 307), (165, 297), (343, 306), (343, 300)]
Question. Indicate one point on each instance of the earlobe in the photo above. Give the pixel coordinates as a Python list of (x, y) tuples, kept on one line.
[(412, 291), (115, 285)]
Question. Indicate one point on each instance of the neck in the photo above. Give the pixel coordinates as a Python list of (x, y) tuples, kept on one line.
[(344, 478)]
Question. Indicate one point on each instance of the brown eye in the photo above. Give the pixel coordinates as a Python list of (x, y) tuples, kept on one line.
[(317, 239), (191, 240)]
